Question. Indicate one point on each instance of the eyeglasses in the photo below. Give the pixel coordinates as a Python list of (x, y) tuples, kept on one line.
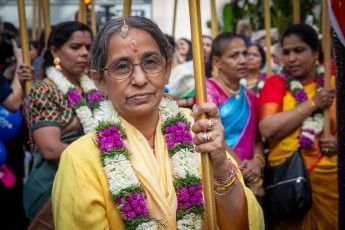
[(122, 69)]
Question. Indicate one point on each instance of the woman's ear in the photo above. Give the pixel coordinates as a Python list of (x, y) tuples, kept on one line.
[(99, 82), (54, 51), (216, 61)]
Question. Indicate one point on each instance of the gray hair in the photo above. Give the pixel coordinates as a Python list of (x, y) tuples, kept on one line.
[(100, 46)]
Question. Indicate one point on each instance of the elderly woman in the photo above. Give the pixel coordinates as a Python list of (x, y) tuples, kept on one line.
[(139, 169)]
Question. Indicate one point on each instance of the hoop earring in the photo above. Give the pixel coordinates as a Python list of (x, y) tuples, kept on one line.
[(57, 63)]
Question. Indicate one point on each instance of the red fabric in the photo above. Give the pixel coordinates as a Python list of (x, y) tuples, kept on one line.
[(273, 91), (338, 8)]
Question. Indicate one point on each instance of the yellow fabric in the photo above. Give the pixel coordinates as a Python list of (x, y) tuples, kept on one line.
[(81, 199), (324, 211)]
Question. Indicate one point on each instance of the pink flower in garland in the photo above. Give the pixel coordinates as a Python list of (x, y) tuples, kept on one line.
[(94, 96), (74, 97), (301, 96), (109, 138), (178, 133)]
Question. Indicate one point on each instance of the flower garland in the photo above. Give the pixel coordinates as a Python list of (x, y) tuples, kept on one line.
[(259, 84), (76, 100), (312, 126), (124, 185)]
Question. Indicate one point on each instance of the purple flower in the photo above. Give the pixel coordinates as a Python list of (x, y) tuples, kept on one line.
[(179, 139), (120, 200), (119, 144), (131, 215), (194, 199), (192, 189), (300, 96), (181, 125), (127, 208), (286, 75), (134, 203), (136, 196), (201, 202), (129, 198), (104, 133), (199, 187), (138, 210), (198, 194), (185, 197), (320, 81), (305, 142), (263, 77), (179, 132), (142, 203), (187, 205), (73, 97), (94, 96), (145, 211), (183, 190), (167, 129)]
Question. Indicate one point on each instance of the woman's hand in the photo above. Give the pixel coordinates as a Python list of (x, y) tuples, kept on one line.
[(251, 169), (328, 146), (323, 99), (209, 137), (25, 73)]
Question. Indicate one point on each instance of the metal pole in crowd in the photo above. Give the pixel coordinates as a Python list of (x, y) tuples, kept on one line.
[(200, 88), (34, 16), (93, 18), (174, 19), (46, 18), (296, 12)]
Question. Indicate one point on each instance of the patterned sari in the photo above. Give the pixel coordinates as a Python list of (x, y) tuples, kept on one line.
[(275, 98), (238, 117)]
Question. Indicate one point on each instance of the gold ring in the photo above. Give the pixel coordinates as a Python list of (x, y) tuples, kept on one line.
[(206, 136), (210, 125)]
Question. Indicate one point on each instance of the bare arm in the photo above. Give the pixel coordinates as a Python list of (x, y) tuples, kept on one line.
[(48, 141)]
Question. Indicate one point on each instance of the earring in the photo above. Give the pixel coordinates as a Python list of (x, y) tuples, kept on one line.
[(316, 62), (57, 63)]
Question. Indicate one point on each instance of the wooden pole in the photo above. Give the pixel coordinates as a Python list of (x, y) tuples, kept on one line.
[(174, 19), (200, 88), (268, 36), (82, 12), (39, 7), (24, 41), (127, 7), (296, 12), (326, 45), (214, 28), (46, 19), (93, 18), (34, 17)]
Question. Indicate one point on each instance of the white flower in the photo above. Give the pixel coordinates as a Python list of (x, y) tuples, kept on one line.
[(320, 70), (87, 84), (61, 81), (295, 85), (120, 174), (147, 226), (184, 162), (308, 135), (168, 108), (190, 221), (106, 112), (84, 114)]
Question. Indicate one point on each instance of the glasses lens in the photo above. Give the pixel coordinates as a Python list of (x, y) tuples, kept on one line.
[(120, 70), (153, 64)]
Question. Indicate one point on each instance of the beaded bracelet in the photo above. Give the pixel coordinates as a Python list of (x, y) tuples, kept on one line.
[(219, 181), (227, 190), (262, 159)]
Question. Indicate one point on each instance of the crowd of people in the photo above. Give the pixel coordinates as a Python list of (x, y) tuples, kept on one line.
[(114, 133)]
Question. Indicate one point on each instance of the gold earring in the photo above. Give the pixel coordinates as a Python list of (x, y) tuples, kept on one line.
[(316, 62), (57, 63)]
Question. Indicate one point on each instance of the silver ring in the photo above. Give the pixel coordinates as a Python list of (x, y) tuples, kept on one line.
[(206, 136)]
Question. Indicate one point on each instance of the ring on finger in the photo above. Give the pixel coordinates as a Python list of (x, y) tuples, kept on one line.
[(206, 136), (210, 125), (217, 116)]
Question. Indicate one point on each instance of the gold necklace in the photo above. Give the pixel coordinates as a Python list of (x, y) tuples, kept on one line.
[(233, 92)]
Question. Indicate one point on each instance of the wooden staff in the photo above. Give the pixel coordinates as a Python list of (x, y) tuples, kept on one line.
[(34, 17), (214, 28), (268, 37), (39, 7), (296, 12), (93, 18), (82, 12), (174, 19), (326, 44), (127, 7), (46, 18), (200, 87), (24, 41)]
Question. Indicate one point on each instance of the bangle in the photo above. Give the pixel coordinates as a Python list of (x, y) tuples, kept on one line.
[(301, 112), (262, 159), (312, 104)]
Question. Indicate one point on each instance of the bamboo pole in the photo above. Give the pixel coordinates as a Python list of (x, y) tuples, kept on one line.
[(24, 41), (46, 19), (82, 12), (214, 28), (268, 36), (34, 17), (200, 87), (39, 7), (127, 7), (296, 12), (174, 19), (93, 18), (326, 44)]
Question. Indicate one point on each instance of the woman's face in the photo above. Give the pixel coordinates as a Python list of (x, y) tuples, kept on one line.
[(233, 62), (74, 54), (140, 93), (182, 47), (254, 58), (206, 46), (298, 57)]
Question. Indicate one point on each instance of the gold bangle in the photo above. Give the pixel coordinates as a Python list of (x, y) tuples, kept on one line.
[(301, 112), (262, 159), (312, 104)]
